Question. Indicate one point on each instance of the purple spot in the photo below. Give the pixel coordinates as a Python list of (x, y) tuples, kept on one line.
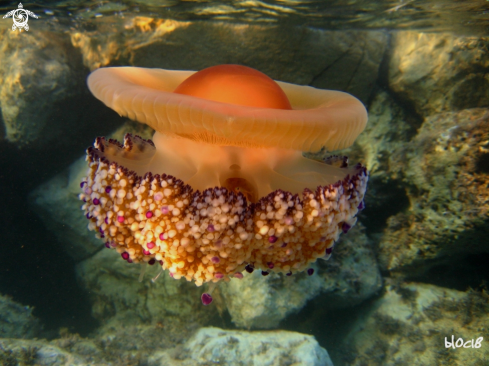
[(218, 275), (162, 236), (283, 245), (108, 189), (88, 216), (96, 201), (329, 250), (145, 252), (249, 268), (150, 245), (288, 274), (149, 214), (120, 219), (125, 256), (100, 230), (106, 220), (264, 273), (211, 228), (215, 260), (361, 206), (238, 275), (206, 298), (270, 265), (82, 184), (346, 227), (164, 210), (310, 271), (107, 245), (152, 261), (272, 239)]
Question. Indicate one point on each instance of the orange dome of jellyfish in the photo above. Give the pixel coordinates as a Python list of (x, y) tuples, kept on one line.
[(223, 187)]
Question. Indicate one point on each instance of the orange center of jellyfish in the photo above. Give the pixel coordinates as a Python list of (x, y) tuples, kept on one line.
[(235, 84)]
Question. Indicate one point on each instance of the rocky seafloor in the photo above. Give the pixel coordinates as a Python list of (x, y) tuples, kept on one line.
[(409, 274)]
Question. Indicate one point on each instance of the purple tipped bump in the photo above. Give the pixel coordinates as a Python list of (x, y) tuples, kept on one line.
[(361, 206), (283, 245), (162, 236), (107, 245), (346, 227), (310, 271), (329, 250), (145, 252), (108, 189), (125, 256), (82, 184), (270, 265), (88, 216), (120, 219), (249, 268), (218, 275), (206, 299), (238, 275), (215, 260), (264, 273), (164, 210), (211, 228), (96, 201), (152, 261), (272, 239), (288, 274), (149, 214), (150, 245)]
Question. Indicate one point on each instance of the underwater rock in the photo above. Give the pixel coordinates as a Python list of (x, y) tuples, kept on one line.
[(437, 72), (42, 353), (16, 320), (228, 347), (408, 325), (117, 295), (350, 276), (341, 60), (36, 72), (446, 176)]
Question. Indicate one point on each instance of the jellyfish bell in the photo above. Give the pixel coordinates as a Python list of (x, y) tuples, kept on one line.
[(212, 126), (226, 155)]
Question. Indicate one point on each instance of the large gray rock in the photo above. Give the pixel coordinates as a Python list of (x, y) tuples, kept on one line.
[(446, 175), (439, 72), (228, 347), (16, 320), (37, 71), (408, 325)]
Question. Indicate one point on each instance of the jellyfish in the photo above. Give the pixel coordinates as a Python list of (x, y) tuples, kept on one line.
[(223, 186)]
